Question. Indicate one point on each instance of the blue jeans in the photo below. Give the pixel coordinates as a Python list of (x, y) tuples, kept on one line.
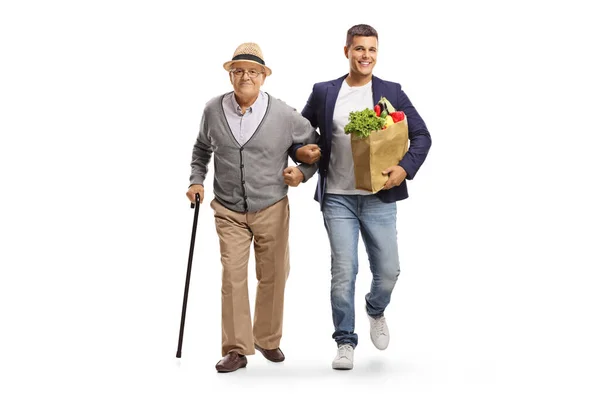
[(344, 217)]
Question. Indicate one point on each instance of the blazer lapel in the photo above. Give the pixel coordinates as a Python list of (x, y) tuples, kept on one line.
[(377, 88), (330, 98)]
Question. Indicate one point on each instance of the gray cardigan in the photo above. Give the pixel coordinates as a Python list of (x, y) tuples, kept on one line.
[(249, 178)]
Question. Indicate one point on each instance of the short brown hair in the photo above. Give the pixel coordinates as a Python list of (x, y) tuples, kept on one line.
[(360, 30)]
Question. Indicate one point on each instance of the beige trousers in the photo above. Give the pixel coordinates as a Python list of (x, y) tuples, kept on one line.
[(269, 229)]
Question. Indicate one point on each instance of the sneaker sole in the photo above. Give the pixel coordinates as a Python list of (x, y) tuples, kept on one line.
[(342, 367)]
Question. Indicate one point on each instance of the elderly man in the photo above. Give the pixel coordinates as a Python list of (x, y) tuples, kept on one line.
[(250, 133)]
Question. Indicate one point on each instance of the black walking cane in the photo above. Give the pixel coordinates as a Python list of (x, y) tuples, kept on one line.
[(187, 276)]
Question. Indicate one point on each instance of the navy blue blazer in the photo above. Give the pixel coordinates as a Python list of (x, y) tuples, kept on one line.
[(319, 111)]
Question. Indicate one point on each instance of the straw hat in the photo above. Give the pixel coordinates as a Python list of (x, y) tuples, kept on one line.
[(248, 52)]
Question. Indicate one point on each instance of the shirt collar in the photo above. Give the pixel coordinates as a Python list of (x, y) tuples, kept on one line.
[(250, 109)]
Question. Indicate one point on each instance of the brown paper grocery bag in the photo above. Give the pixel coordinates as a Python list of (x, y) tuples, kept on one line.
[(375, 153)]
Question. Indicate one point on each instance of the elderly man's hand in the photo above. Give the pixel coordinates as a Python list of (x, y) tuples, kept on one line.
[(396, 174), (292, 176), (192, 190), (308, 154)]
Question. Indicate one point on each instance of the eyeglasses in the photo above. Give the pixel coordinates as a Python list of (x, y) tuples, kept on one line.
[(251, 73)]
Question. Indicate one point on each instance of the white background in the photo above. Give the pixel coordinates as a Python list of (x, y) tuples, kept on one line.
[(100, 104)]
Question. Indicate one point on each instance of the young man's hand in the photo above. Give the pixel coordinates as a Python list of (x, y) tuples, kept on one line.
[(292, 176), (396, 175), (308, 154)]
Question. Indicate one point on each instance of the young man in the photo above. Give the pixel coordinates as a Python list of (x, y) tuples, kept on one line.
[(250, 133), (348, 211)]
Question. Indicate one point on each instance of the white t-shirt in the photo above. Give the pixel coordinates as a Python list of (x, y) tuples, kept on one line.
[(340, 177)]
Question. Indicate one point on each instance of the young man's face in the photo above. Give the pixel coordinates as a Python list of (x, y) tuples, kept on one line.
[(362, 55)]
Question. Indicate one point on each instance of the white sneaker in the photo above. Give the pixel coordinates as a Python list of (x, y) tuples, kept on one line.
[(344, 358), (380, 334)]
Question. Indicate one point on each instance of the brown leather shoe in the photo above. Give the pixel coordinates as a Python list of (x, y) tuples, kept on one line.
[(275, 355), (231, 362)]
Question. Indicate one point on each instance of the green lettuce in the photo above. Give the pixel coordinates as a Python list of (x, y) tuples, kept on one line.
[(362, 123)]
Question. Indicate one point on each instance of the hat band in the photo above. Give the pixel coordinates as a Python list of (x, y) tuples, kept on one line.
[(249, 57)]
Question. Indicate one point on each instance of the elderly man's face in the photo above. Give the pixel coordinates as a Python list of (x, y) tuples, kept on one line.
[(244, 84)]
